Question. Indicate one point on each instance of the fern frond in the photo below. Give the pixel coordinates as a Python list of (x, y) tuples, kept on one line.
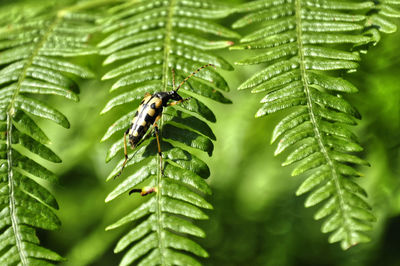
[(31, 51), (305, 45), (146, 39), (384, 12)]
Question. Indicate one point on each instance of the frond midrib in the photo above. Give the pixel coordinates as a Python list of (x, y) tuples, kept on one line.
[(10, 112), (165, 71), (14, 223), (314, 122)]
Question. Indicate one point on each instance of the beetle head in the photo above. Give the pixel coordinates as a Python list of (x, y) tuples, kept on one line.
[(174, 96)]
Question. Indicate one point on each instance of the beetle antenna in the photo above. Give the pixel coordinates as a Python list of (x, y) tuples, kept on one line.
[(191, 75)]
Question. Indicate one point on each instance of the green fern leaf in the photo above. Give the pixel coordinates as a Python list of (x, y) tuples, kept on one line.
[(305, 44), (33, 47), (146, 39), (384, 11)]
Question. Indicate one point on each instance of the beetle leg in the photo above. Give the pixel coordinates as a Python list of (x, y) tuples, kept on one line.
[(180, 101), (144, 191), (158, 145), (125, 153), (156, 131)]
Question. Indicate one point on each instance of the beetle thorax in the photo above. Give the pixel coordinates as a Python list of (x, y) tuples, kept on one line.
[(167, 96)]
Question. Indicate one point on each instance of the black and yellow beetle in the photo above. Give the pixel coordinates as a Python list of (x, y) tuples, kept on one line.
[(148, 113)]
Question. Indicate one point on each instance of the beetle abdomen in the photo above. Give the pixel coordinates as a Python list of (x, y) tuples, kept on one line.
[(149, 109)]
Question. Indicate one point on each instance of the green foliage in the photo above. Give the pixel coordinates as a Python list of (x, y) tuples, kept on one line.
[(145, 40), (32, 46), (303, 48), (382, 15), (306, 49)]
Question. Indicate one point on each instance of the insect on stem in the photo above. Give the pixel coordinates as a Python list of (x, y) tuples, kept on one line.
[(148, 113)]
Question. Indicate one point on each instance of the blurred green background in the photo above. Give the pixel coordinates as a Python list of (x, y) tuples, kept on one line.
[(257, 219)]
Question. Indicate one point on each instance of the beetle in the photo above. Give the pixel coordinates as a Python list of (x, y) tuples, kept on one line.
[(149, 113)]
